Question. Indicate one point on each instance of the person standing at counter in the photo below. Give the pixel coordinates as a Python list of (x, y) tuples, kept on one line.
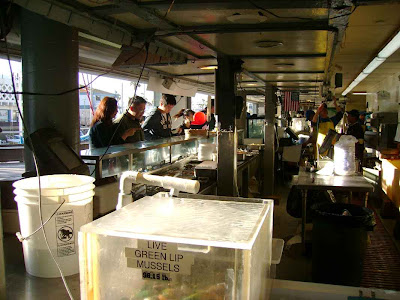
[(324, 123), (102, 128), (130, 131), (187, 120), (159, 122), (313, 128), (361, 120), (355, 129)]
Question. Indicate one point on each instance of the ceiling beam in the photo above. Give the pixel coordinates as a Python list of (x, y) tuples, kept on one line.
[(153, 71), (153, 17), (299, 87), (229, 4), (189, 5), (299, 81), (194, 74), (280, 56), (150, 15), (339, 18), (253, 76), (287, 72), (242, 28)]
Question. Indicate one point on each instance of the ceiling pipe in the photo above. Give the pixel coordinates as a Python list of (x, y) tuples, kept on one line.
[(242, 28)]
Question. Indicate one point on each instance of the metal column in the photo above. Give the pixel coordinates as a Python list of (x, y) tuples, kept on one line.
[(49, 65), (269, 140), (225, 88)]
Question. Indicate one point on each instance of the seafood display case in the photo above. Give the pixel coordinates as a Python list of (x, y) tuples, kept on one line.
[(164, 247), (141, 156)]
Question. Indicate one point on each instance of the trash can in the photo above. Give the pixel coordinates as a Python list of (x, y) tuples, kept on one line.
[(339, 241)]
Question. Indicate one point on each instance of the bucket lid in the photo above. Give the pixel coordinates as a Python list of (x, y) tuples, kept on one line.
[(55, 185)]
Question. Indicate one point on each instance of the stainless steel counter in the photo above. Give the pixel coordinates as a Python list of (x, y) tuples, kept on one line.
[(311, 181)]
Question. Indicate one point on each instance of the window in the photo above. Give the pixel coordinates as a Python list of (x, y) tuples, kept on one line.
[(199, 102)]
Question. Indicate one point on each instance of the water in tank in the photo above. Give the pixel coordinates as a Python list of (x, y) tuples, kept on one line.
[(173, 248)]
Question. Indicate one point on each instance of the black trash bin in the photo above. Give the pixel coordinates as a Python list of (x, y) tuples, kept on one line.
[(339, 241)]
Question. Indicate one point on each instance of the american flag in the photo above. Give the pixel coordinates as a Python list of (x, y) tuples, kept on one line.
[(291, 101)]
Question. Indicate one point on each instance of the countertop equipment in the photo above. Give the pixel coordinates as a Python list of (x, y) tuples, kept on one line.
[(385, 123)]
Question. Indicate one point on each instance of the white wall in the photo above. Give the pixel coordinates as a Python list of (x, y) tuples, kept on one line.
[(181, 102), (390, 85)]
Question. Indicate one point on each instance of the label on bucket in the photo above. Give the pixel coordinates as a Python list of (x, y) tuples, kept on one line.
[(65, 233)]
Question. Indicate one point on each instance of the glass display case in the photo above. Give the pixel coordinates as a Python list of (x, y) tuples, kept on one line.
[(140, 156), (178, 248)]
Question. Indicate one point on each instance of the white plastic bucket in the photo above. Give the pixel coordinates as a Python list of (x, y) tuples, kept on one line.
[(205, 151), (61, 230)]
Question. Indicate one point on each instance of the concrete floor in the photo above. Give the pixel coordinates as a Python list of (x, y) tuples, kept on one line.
[(294, 266)]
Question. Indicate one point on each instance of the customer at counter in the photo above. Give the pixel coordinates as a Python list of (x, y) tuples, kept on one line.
[(187, 120), (159, 122), (324, 123), (102, 128), (355, 129), (130, 131)]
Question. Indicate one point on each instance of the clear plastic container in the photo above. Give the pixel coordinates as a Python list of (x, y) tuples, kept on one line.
[(345, 155), (175, 248)]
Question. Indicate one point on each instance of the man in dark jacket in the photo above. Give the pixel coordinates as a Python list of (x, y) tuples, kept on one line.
[(159, 122), (130, 131)]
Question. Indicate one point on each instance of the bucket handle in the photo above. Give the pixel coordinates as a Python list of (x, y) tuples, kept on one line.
[(21, 238)]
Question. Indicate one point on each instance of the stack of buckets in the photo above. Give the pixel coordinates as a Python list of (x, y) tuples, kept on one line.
[(62, 229)]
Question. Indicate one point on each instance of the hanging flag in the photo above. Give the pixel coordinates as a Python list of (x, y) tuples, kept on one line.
[(291, 101)]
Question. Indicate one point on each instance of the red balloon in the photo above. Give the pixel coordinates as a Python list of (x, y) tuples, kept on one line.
[(199, 118)]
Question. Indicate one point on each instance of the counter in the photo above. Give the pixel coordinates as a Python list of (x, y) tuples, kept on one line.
[(390, 180), (140, 156)]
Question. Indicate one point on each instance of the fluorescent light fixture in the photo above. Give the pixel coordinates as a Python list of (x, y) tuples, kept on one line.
[(211, 67), (360, 93), (361, 77), (99, 40), (376, 62), (388, 50), (391, 47), (251, 84)]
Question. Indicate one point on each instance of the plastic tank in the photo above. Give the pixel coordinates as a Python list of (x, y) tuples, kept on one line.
[(345, 155), (175, 248)]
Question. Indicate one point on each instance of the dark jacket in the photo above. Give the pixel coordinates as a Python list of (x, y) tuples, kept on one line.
[(211, 124), (157, 125), (357, 131), (100, 134), (128, 122)]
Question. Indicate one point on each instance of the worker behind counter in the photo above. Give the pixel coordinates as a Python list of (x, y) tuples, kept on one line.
[(130, 131), (324, 123), (313, 131), (355, 129), (159, 122), (361, 120), (211, 122)]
